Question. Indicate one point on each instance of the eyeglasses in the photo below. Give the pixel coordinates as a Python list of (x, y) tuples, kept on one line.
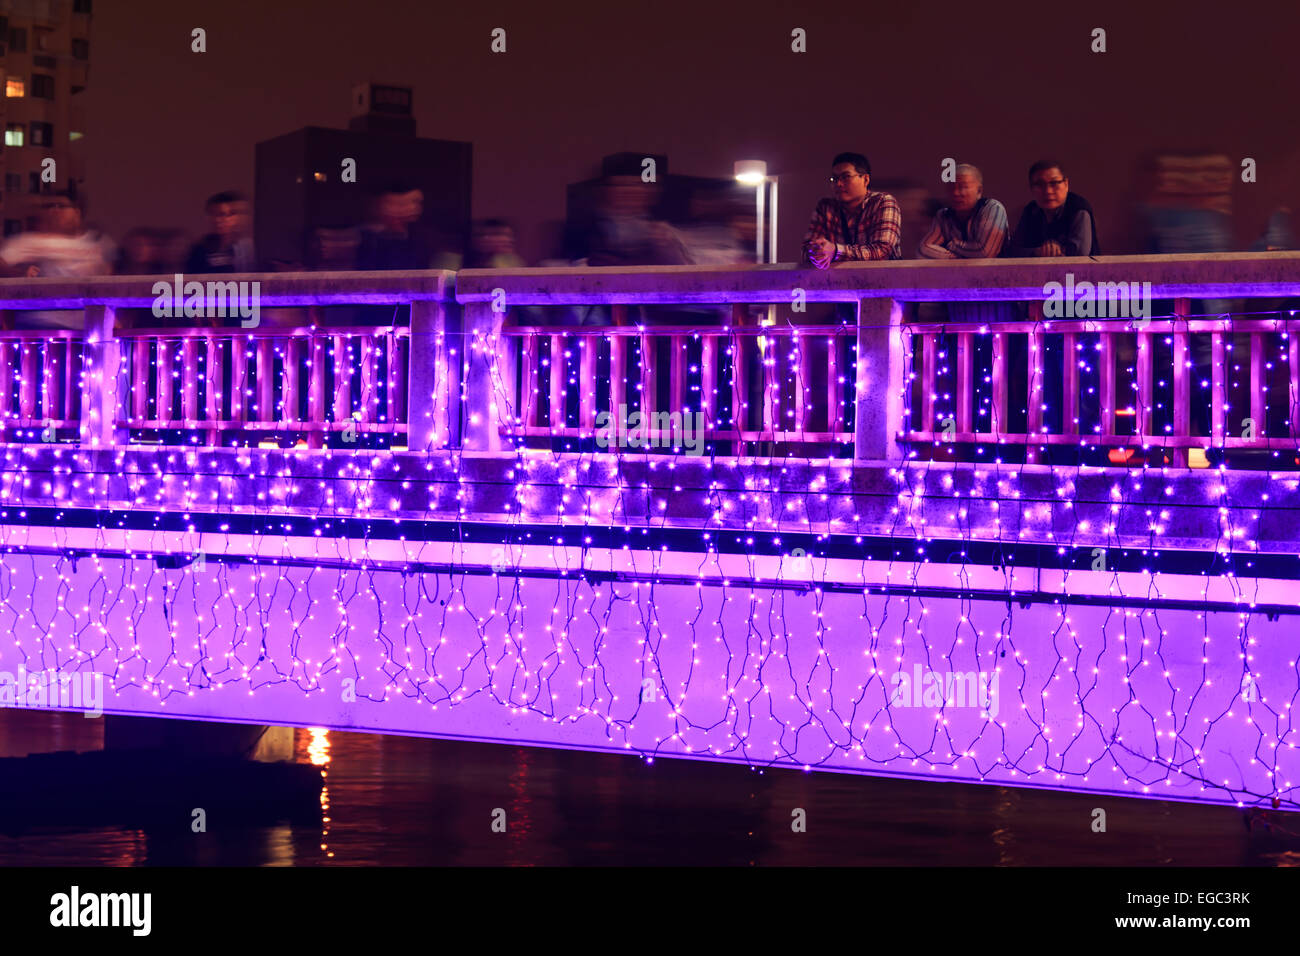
[(1047, 183), (842, 178)]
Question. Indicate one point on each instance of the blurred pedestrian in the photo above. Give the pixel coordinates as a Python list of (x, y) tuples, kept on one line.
[(62, 247), (228, 247)]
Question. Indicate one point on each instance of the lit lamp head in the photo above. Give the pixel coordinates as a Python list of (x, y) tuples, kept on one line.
[(751, 172)]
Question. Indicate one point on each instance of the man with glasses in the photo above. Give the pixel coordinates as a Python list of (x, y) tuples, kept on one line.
[(1058, 222), (856, 225)]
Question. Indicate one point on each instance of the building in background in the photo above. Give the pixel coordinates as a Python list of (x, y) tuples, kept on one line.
[(45, 61), (302, 204)]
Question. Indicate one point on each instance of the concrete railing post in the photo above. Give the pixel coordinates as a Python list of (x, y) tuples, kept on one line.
[(490, 406), (879, 396), (429, 395), (103, 381)]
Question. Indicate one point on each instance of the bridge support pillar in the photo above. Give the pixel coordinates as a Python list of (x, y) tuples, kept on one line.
[(198, 737)]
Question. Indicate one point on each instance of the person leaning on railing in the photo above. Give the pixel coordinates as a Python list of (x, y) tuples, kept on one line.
[(1058, 222), (971, 226), (857, 224)]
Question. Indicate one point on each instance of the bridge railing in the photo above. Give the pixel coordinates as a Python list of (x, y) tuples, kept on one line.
[(879, 382), (301, 375), (307, 381), (39, 375), (1158, 389), (974, 383)]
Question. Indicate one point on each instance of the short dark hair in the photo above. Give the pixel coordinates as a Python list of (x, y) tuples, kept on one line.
[(221, 198), (860, 162), (1043, 165)]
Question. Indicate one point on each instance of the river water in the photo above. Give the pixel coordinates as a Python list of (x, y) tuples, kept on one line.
[(393, 800)]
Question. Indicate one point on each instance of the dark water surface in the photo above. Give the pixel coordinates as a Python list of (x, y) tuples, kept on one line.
[(412, 801)]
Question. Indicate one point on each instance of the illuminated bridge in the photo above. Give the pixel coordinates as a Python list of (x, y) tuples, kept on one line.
[(920, 529)]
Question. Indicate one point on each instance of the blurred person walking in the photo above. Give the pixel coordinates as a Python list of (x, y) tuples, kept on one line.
[(61, 248), (228, 247)]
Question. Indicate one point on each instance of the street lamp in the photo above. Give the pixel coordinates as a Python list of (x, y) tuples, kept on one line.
[(753, 172)]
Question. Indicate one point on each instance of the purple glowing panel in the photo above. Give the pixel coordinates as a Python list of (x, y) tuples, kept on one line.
[(1168, 704)]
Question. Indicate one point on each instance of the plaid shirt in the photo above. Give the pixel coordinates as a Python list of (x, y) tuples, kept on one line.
[(875, 228), (980, 237)]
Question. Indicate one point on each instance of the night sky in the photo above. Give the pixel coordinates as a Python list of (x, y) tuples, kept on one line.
[(707, 83)]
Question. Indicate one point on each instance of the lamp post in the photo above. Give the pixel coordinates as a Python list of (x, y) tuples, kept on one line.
[(753, 172)]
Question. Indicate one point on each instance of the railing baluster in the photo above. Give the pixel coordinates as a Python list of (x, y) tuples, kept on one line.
[(316, 393), (558, 391), (165, 412), (27, 390), (677, 379), (1218, 424), (1182, 417), (965, 361), (1106, 385), (803, 406), (617, 376), (73, 404), (589, 349), (767, 345), (368, 412), (289, 403), (530, 379), (1145, 398), (1070, 384), (1034, 354), (7, 357), (214, 389), (265, 380), (238, 377), (708, 404), (399, 366), (342, 379), (649, 383), (140, 349), (834, 401), (928, 384), (1293, 373), (1258, 388), (739, 378), (52, 380), (999, 387), (190, 380)]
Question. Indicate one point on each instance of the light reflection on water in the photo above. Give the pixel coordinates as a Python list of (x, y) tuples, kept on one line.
[(413, 801)]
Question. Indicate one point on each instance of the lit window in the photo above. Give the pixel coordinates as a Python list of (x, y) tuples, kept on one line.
[(14, 134), (15, 87)]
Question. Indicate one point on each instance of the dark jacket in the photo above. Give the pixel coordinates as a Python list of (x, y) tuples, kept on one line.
[(1034, 229)]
